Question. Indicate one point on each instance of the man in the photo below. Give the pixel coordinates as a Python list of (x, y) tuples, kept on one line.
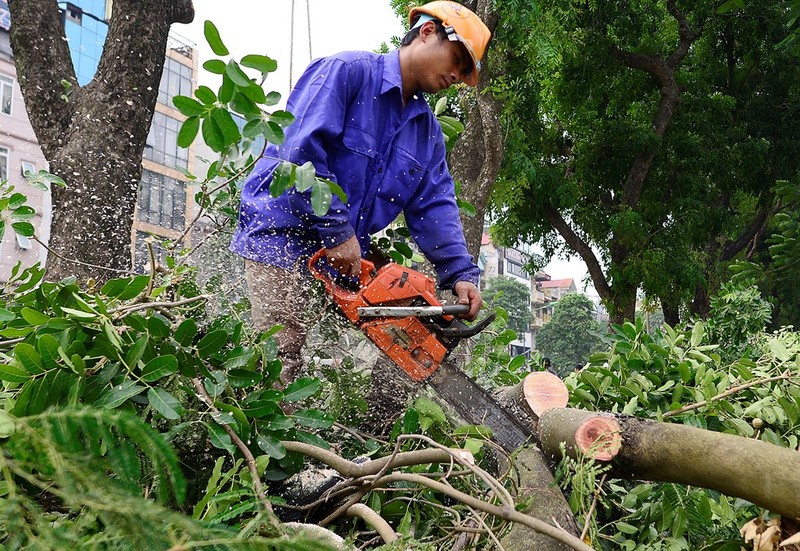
[(362, 121)]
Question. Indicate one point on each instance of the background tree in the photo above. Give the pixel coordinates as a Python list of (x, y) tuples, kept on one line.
[(514, 297), (612, 111), (571, 335), (93, 136)]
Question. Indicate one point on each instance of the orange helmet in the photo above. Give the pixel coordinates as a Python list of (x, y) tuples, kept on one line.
[(461, 25)]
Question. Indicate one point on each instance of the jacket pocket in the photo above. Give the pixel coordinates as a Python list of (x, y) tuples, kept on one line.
[(403, 178)]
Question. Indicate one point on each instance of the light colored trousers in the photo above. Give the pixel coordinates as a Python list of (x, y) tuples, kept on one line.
[(282, 297)]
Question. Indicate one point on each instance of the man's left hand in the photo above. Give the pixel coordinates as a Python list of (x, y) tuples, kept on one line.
[(469, 294)]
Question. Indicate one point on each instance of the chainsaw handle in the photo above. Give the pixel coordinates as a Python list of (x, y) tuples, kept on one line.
[(455, 309), (367, 272)]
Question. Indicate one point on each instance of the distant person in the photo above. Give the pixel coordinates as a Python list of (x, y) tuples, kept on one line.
[(363, 122), (548, 367)]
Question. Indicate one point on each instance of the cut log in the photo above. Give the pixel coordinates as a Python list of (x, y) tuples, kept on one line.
[(757, 471), (535, 394)]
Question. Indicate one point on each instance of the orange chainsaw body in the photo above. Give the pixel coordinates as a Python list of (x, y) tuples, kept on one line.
[(408, 341)]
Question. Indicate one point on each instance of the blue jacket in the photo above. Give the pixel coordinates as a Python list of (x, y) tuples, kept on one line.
[(351, 125)]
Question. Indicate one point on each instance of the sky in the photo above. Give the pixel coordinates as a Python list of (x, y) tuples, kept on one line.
[(248, 27)]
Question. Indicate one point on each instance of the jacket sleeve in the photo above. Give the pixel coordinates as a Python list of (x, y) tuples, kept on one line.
[(319, 103), (433, 220)]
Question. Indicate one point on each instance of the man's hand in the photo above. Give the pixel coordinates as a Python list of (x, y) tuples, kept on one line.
[(346, 258), (468, 293)]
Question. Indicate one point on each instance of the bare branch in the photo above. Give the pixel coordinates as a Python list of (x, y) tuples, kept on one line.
[(373, 519)]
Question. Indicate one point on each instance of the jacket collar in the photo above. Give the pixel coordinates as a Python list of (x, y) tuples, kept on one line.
[(392, 78)]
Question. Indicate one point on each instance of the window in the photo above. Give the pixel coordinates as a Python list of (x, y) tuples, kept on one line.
[(6, 94), (3, 164), (162, 142), (162, 200), (28, 166), (176, 80), (517, 270)]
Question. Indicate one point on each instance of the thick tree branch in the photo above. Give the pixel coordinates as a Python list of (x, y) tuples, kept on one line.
[(664, 70), (582, 248), (750, 235)]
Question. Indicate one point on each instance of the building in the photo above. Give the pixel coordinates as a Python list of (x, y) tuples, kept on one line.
[(19, 152), (495, 261), (164, 203)]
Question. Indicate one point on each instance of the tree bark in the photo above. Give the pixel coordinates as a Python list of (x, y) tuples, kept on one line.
[(93, 138), (535, 394), (478, 154), (759, 472)]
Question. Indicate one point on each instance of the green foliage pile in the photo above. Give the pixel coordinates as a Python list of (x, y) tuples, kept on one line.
[(680, 376)]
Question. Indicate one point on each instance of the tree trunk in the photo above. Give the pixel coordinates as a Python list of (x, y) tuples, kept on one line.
[(478, 154), (640, 449), (93, 136)]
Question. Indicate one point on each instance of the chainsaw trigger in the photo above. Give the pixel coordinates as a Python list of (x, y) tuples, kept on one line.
[(460, 330)]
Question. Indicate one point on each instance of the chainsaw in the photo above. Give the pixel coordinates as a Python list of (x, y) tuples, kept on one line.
[(398, 310)]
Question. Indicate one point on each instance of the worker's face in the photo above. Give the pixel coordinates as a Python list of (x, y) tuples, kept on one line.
[(445, 61)]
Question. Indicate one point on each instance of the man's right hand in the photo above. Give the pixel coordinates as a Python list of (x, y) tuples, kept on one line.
[(346, 258)]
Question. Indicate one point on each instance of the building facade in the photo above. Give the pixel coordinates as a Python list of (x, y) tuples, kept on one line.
[(19, 153), (164, 202)]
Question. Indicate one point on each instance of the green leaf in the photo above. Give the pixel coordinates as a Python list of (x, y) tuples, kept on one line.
[(255, 93), (271, 446), (7, 426), (312, 439), (429, 408), (313, 419), (23, 213), (282, 118), (305, 176), (243, 105), (273, 98), (321, 197), (28, 358), (215, 66), (236, 74), (188, 106), (226, 89), (136, 351), (282, 178), (274, 133), (117, 395), (212, 37), (260, 408), (157, 326), (186, 332), (226, 124), (260, 63), (164, 403), (34, 317), (6, 315), (136, 286), (188, 132), (206, 94), (159, 367), (212, 343), (243, 378), (13, 374), (79, 314), (301, 389), (25, 229), (212, 135), (219, 438)]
